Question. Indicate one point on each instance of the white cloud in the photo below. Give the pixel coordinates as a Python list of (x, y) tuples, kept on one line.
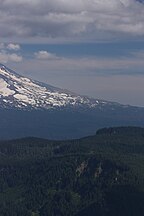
[(6, 57), (44, 55), (7, 53), (77, 19), (14, 57), (12, 46)]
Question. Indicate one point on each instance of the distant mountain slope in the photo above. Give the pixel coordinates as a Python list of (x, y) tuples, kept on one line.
[(31, 108), (99, 175), (20, 92)]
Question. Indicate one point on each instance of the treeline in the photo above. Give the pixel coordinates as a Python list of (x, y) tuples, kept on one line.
[(99, 175)]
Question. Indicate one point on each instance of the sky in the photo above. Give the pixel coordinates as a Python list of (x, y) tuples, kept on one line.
[(91, 47)]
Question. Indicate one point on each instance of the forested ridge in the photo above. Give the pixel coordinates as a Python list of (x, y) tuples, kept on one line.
[(99, 175)]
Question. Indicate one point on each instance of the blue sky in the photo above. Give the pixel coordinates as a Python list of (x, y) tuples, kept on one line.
[(92, 47)]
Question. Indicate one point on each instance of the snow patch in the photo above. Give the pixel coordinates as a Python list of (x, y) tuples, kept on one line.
[(4, 90), (24, 98)]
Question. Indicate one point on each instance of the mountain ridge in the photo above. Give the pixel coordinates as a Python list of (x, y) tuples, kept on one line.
[(20, 92)]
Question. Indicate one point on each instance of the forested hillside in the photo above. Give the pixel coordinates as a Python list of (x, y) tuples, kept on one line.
[(100, 175)]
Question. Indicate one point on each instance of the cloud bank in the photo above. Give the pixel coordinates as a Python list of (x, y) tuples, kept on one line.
[(82, 19)]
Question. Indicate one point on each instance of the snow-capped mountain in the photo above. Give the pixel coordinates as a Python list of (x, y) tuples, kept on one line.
[(20, 92), (31, 108)]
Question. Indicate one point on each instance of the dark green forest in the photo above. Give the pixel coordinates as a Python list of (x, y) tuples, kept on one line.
[(99, 175)]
